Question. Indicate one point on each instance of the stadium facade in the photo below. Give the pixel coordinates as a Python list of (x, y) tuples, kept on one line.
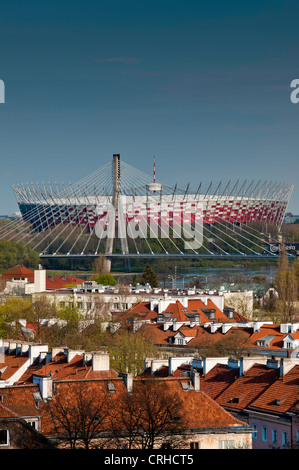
[(118, 196)]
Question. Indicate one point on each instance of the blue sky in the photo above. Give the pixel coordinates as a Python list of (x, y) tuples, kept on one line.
[(203, 86)]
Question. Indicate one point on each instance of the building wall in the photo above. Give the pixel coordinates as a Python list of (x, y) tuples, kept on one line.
[(220, 441), (266, 428)]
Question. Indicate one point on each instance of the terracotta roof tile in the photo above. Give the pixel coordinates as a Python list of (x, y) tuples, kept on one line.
[(268, 330), (218, 379), (18, 271), (282, 395), (247, 388), (19, 401), (60, 369), (198, 410), (11, 364), (59, 282)]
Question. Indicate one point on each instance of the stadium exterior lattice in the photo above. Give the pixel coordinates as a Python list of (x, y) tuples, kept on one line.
[(119, 210)]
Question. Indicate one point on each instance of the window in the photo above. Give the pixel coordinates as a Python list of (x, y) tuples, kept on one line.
[(284, 438), (297, 435), (254, 434), (194, 445), (274, 436), (4, 437), (227, 444), (166, 445), (264, 434)]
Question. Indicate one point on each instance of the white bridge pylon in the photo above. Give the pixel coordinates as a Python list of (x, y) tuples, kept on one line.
[(120, 211)]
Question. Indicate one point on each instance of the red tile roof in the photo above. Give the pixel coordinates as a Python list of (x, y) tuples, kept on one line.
[(247, 388), (176, 309), (60, 369), (11, 364), (141, 311), (218, 379), (282, 396), (59, 282), (201, 337), (268, 330), (18, 271), (198, 410), (19, 401), (52, 282)]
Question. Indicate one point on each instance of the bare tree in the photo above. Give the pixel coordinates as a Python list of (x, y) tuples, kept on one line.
[(100, 266), (151, 414), (42, 309), (80, 412), (287, 288)]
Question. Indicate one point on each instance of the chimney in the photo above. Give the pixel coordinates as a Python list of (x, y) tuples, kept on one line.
[(196, 381), (241, 370), (281, 369), (100, 361), (35, 350), (45, 383), (128, 378)]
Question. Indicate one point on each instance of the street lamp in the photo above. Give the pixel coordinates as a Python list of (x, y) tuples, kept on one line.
[(184, 280)]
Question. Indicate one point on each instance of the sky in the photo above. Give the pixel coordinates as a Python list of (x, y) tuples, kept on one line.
[(203, 86)]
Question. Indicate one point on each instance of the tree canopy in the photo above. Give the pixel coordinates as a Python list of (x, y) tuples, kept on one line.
[(149, 276), (17, 253)]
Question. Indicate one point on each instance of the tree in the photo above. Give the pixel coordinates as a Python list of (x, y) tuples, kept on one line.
[(71, 317), (17, 253), (149, 276), (235, 344), (287, 288), (128, 351), (106, 280), (42, 309), (283, 261), (134, 280), (13, 310), (151, 413), (100, 266), (79, 411), (241, 303)]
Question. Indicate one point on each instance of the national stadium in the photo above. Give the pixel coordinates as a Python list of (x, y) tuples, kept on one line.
[(119, 210)]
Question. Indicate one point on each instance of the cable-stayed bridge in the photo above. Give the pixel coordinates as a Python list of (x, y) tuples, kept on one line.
[(120, 211)]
